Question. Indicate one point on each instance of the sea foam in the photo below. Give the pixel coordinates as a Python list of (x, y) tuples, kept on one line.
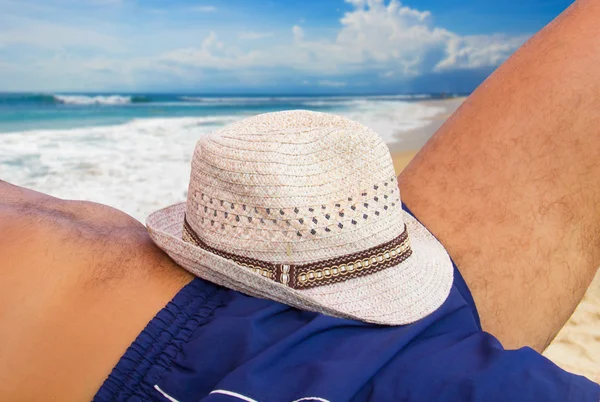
[(98, 99), (144, 164)]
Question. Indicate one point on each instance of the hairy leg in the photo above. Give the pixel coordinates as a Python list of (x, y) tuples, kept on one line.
[(511, 183)]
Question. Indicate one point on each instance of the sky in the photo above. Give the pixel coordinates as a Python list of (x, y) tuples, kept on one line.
[(253, 46)]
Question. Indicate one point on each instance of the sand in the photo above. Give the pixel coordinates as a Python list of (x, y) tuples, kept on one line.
[(576, 348)]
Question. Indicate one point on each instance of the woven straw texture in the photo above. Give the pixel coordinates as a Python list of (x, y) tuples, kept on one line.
[(301, 187)]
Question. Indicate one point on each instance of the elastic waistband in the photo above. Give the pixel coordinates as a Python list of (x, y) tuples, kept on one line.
[(151, 354)]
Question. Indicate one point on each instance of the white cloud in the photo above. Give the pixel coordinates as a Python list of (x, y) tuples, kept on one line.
[(203, 9), (376, 35), (335, 84), (214, 54), (478, 51), (298, 33), (211, 41), (383, 38), (252, 35)]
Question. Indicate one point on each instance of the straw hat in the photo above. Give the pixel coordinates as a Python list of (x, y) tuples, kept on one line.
[(303, 208)]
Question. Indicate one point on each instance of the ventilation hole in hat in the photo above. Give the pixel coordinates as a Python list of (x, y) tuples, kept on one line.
[(281, 212), (342, 214), (311, 209), (226, 214), (222, 226), (262, 220), (268, 210), (385, 184), (393, 204), (202, 220), (289, 223), (376, 199), (212, 223), (313, 231), (299, 234), (353, 222), (349, 198), (377, 213), (364, 194), (205, 209), (301, 220), (244, 207), (255, 210), (366, 205), (222, 202), (237, 218), (385, 207), (365, 216), (275, 221), (327, 230), (211, 200), (340, 225), (337, 205), (296, 210), (327, 216), (323, 207), (232, 206), (385, 196), (215, 213), (249, 219), (314, 220), (353, 207), (375, 187)]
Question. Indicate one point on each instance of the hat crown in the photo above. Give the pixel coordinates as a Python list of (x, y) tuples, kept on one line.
[(293, 187)]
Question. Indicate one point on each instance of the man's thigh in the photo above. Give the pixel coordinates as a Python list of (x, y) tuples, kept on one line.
[(511, 183)]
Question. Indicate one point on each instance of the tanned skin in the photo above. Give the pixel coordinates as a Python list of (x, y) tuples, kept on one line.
[(79, 282), (510, 185)]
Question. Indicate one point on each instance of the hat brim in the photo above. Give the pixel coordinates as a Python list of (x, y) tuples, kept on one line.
[(398, 295)]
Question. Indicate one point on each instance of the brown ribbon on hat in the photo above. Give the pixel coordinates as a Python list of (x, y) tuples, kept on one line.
[(320, 273)]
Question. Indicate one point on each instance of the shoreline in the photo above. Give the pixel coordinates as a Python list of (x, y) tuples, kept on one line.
[(411, 140)]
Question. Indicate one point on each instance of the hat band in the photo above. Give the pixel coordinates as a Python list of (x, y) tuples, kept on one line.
[(320, 273)]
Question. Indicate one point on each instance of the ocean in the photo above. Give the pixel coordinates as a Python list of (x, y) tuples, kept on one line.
[(132, 151)]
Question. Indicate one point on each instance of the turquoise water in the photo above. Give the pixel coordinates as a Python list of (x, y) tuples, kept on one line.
[(21, 112)]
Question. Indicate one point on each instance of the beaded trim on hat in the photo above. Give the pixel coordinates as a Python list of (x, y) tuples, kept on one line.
[(320, 273)]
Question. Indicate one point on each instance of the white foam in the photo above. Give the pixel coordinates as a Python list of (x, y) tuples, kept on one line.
[(136, 167), (144, 164), (391, 119), (93, 100)]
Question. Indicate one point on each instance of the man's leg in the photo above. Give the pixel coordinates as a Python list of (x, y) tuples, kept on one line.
[(511, 183)]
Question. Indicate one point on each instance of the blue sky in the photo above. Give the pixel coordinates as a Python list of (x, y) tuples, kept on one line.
[(245, 46)]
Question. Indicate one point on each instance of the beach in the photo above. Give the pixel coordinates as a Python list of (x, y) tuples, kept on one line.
[(576, 348), (134, 153)]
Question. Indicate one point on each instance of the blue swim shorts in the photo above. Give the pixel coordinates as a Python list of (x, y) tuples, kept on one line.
[(217, 345)]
